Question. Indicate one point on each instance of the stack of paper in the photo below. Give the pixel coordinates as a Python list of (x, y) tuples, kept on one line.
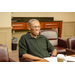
[(69, 59), (51, 59), (66, 59)]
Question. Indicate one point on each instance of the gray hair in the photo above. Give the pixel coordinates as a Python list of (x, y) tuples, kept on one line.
[(31, 20)]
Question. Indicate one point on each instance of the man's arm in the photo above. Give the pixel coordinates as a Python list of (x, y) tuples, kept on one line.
[(51, 48), (54, 52), (31, 57)]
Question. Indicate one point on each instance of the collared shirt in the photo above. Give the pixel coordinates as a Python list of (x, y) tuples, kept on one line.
[(39, 46)]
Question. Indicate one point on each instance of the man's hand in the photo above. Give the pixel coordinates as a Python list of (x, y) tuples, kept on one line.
[(54, 52)]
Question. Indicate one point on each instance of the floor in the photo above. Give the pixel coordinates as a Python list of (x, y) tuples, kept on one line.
[(14, 55)]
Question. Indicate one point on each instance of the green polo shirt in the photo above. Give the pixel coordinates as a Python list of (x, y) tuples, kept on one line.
[(39, 47)]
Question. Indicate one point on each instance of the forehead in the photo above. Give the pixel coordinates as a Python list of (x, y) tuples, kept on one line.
[(35, 23)]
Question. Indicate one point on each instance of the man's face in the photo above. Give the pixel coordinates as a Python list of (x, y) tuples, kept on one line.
[(35, 28)]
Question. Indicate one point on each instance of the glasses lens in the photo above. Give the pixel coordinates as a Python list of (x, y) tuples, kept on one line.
[(36, 26)]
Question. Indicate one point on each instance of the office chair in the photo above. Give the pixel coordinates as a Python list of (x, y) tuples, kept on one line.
[(4, 56), (70, 46), (57, 42)]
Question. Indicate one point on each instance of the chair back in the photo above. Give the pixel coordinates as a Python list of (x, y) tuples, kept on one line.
[(71, 43), (51, 35), (4, 53)]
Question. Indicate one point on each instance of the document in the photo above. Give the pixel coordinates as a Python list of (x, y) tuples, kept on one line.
[(66, 59), (69, 59), (51, 59)]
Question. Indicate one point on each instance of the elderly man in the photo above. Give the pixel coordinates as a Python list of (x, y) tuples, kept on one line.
[(33, 46)]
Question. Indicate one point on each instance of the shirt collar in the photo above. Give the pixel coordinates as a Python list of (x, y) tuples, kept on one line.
[(30, 37)]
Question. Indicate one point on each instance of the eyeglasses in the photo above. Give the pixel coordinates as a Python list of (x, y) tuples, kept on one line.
[(36, 26)]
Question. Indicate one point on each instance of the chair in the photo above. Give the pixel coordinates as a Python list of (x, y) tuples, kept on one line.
[(57, 42), (70, 46), (4, 56)]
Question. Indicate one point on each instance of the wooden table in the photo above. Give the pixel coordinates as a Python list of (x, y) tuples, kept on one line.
[(48, 61)]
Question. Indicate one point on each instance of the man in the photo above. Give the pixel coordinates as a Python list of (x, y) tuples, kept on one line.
[(34, 46)]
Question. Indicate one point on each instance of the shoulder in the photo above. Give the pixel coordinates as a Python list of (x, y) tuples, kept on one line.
[(24, 36), (45, 38), (42, 36)]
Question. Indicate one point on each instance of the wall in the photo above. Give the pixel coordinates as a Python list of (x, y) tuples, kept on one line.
[(68, 18), (65, 16), (19, 33), (68, 30), (5, 29), (5, 19)]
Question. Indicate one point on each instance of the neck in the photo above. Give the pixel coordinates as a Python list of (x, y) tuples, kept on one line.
[(35, 36)]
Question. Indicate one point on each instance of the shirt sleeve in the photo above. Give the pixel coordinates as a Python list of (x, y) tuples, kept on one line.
[(50, 47), (22, 46)]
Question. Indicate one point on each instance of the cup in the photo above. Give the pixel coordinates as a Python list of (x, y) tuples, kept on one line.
[(60, 58)]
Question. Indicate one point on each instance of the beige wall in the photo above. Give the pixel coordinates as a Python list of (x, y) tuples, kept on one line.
[(5, 19), (68, 30), (19, 33), (5, 29), (5, 37), (65, 16)]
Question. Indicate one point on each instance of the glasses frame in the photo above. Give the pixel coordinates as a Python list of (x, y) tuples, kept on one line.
[(36, 27)]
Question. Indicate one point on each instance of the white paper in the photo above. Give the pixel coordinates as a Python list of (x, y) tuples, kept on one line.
[(51, 59), (66, 58), (70, 58)]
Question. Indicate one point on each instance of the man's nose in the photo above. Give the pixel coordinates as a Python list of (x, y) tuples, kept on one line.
[(37, 27)]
